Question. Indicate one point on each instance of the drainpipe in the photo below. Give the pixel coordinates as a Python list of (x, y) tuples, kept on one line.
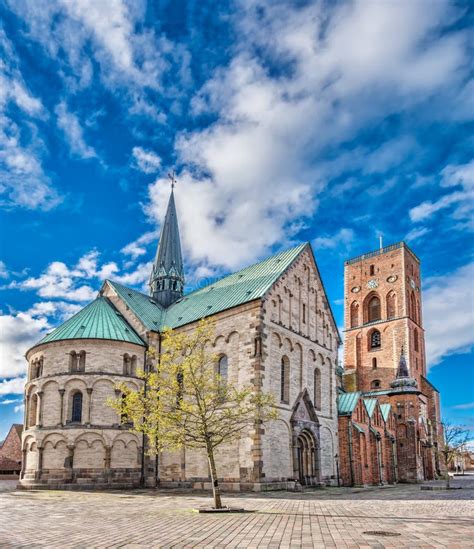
[(351, 461), (142, 474), (394, 460), (379, 458)]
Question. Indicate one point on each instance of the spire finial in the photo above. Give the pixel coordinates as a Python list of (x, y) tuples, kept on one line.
[(172, 178)]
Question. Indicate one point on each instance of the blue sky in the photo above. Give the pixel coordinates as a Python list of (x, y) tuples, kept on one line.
[(331, 122)]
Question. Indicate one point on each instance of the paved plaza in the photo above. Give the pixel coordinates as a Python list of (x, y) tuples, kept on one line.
[(323, 518)]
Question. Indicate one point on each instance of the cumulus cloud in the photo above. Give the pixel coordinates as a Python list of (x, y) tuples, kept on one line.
[(145, 161), (69, 123), (448, 311), (258, 165), (138, 246), (14, 386), (23, 182), (18, 332)]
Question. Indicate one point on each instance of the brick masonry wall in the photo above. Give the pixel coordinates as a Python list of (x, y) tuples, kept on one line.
[(394, 272)]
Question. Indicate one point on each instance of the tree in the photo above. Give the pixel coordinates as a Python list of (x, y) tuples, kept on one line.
[(455, 439), (186, 402)]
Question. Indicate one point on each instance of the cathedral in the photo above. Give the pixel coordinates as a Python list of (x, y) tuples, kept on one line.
[(374, 421)]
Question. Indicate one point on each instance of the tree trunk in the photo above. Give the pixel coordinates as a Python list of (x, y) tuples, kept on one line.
[(216, 491)]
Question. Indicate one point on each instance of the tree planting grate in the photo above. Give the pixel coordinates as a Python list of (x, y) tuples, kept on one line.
[(381, 533)]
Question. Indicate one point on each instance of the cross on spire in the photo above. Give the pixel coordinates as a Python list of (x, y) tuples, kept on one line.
[(172, 178)]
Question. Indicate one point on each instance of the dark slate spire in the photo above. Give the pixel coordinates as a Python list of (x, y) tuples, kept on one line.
[(167, 275), (403, 382), (402, 366)]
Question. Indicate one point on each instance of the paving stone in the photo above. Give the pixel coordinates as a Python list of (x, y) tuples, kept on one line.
[(321, 518)]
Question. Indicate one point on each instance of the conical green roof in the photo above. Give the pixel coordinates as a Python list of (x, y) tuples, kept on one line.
[(98, 320)]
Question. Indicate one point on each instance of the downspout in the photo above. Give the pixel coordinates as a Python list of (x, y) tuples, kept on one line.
[(351, 462), (394, 460), (142, 474)]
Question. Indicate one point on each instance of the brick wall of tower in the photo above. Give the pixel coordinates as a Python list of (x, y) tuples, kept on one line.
[(395, 278)]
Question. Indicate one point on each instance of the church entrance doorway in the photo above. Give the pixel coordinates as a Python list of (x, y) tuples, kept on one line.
[(308, 466)]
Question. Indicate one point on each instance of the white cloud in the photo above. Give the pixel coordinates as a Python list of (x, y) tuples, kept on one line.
[(416, 233), (448, 311), (250, 174), (3, 270), (19, 408), (13, 386), (452, 176), (138, 246), (9, 401), (139, 276), (18, 332), (342, 240), (467, 406), (146, 161), (69, 123)]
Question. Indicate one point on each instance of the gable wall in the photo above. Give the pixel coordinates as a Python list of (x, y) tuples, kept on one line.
[(309, 340)]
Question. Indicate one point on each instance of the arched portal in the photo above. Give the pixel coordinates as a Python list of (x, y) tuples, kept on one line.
[(308, 459)]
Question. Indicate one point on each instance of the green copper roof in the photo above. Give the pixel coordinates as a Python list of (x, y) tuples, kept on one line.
[(358, 427), (143, 306), (346, 403), (370, 404), (233, 290), (385, 409), (98, 320)]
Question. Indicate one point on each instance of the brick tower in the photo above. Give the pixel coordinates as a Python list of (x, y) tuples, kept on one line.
[(382, 318), (384, 353)]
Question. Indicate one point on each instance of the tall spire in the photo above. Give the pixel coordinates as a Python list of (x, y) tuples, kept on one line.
[(167, 275), (403, 382), (402, 366)]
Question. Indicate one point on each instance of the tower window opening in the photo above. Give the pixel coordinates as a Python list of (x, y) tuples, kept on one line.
[(375, 340), (372, 270), (373, 312), (285, 380), (374, 363)]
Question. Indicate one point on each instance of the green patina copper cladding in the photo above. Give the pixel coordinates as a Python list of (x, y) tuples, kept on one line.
[(148, 310), (98, 320), (233, 290), (358, 427), (346, 403), (385, 409), (370, 404), (101, 320)]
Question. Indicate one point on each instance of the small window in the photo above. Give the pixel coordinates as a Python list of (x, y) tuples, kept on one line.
[(375, 384), (304, 313), (372, 270), (126, 364), (285, 380), (354, 314), (375, 340), (374, 363), (76, 415), (223, 367)]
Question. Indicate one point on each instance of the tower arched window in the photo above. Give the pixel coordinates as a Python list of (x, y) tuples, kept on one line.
[(73, 361), (416, 344), (391, 305), (413, 307), (374, 363), (373, 309), (76, 411), (82, 361), (223, 367), (285, 380), (354, 314), (317, 388), (375, 384), (375, 339), (126, 364)]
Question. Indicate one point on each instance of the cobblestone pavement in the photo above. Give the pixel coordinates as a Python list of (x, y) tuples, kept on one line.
[(324, 518)]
